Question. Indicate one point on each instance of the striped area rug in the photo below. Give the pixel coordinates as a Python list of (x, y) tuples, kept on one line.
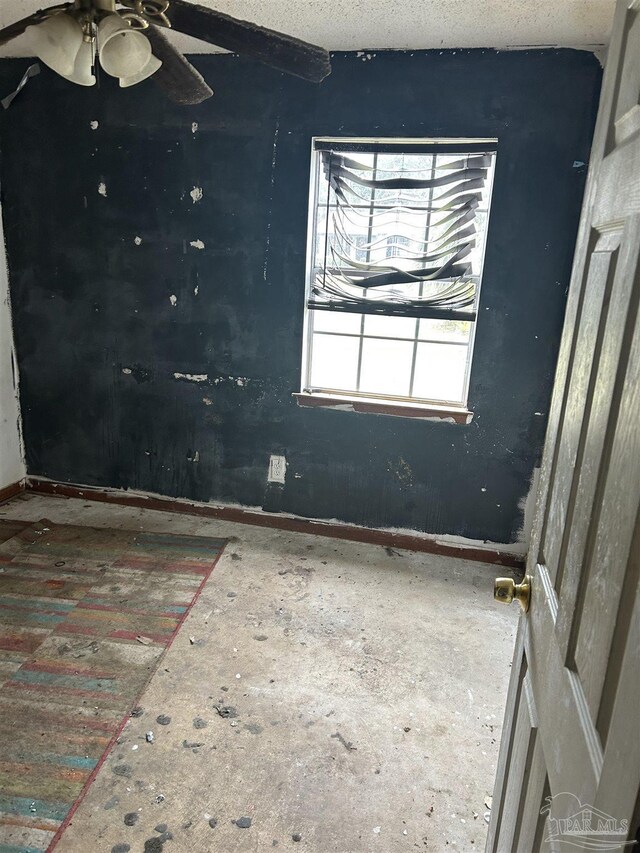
[(85, 616)]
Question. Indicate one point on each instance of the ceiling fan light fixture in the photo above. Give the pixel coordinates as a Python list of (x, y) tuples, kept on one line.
[(150, 68), (56, 41), (116, 27), (124, 51), (83, 69)]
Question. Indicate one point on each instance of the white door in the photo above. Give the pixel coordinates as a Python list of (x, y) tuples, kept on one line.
[(569, 768)]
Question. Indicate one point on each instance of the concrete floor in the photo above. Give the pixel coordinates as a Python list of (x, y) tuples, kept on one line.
[(369, 686)]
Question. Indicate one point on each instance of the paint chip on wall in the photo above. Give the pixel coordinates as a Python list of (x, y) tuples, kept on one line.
[(194, 127), (192, 377), (173, 299), (93, 125), (137, 240), (197, 244), (102, 188), (196, 194)]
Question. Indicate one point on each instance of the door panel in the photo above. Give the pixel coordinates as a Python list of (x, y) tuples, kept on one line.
[(519, 771), (599, 280), (595, 616), (592, 465), (571, 742)]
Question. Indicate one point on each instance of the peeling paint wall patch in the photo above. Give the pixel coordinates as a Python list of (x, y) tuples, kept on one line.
[(194, 127), (137, 240), (173, 299), (197, 244), (102, 188), (126, 370), (196, 194), (192, 377), (241, 381), (93, 125)]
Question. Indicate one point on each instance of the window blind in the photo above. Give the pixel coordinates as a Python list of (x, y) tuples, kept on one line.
[(397, 232)]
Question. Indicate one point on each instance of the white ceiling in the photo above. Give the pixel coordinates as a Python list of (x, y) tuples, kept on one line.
[(399, 24)]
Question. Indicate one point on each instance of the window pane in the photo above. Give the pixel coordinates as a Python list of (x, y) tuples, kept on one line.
[(439, 373), (361, 231), (390, 327), (335, 321), (386, 367), (445, 330), (334, 362)]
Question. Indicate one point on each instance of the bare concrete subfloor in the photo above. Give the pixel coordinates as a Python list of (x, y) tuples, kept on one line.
[(369, 687)]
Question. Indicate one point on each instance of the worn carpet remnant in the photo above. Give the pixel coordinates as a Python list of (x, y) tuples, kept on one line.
[(9, 528), (85, 617)]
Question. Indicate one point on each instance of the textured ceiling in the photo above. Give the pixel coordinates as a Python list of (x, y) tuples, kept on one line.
[(399, 24)]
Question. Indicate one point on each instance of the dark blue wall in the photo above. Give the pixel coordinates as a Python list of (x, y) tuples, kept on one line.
[(88, 302)]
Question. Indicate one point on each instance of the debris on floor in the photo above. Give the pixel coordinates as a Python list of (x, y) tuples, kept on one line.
[(226, 711), (346, 743), (311, 688), (187, 745)]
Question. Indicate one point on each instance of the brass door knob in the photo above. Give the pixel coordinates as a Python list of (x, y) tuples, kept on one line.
[(506, 589)]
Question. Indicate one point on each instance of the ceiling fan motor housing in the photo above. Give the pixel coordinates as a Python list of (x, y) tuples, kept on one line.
[(98, 5)]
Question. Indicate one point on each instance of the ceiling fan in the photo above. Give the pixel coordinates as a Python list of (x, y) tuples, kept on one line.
[(127, 37)]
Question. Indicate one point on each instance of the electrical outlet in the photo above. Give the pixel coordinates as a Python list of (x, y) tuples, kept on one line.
[(277, 469)]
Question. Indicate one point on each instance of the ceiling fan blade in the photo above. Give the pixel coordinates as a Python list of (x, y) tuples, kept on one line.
[(178, 79), (15, 30), (280, 51)]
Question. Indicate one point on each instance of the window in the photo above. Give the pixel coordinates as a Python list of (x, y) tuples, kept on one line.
[(396, 244)]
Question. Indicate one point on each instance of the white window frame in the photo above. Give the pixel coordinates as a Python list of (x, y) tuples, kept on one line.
[(307, 340)]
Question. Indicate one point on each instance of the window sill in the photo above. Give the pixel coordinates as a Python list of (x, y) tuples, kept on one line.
[(449, 414)]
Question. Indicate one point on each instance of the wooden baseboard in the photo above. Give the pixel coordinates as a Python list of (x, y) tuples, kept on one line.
[(385, 538), (11, 491)]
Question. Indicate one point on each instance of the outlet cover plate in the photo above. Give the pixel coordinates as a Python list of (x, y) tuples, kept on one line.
[(277, 469)]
